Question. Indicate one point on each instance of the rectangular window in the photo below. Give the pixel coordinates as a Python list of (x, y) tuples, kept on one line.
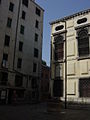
[(11, 7), (34, 82), (38, 12), (34, 67), (59, 51), (19, 63), (20, 46), (22, 29), (84, 87), (36, 52), (7, 40), (36, 37), (9, 22), (3, 78), (37, 24), (23, 15), (58, 88), (5, 57), (25, 2), (18, 81)]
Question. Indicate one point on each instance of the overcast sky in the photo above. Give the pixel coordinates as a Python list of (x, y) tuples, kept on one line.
[(56, 9)]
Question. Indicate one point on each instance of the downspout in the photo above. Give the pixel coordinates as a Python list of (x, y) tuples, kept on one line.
[(16, 34)]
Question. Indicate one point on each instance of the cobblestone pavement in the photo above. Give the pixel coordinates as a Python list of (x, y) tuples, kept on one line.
[(39, 112)]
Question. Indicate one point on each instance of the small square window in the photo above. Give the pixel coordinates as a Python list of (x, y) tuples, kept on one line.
[(11, 7), (22, 29), (5, 57), (34, 67), (36, 24), (20, 46), (36, 37), (36, 52), (23, 15), (25, 2), (19, 63), (38, 12), (7, 40), (9, 22)]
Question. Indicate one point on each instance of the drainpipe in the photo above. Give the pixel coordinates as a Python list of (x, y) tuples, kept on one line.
[(65, 65), (16, 34)]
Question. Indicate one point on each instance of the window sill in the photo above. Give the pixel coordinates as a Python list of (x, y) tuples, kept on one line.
[(82, 58), (59, 61)]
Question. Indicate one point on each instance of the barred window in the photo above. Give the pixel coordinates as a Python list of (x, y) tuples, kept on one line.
[(83, 43), (58, 47)]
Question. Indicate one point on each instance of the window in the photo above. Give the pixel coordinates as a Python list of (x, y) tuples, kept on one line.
[(83, 20), (59, 27), (5, 57), (25, 2), (37, 24), (11, 7), (23, 15), (58, 88), (20, 46), (84, 87), (0, 1), (34, 67), (58, 47), (34, 82), (3, 78), (7, 40), (83, 43), (36, 37), (19, 63), (18, 81), (38, 12), (22, 29), (35, 52), (9, 21)]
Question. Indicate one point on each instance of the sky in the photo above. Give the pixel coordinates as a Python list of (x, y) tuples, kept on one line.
[(56, 9)]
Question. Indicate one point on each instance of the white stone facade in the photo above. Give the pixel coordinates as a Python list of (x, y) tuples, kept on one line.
[(77, 61)]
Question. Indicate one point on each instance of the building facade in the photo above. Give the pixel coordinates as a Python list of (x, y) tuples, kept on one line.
[(21, 32), (70, 57), (45, 81)]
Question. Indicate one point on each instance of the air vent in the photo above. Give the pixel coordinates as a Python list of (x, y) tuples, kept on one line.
[(60, 27), (83, 20)]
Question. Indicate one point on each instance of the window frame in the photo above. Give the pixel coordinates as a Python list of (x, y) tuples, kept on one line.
[(59, 47), (83, 43), (23, 15), (36, 52), (22, 28), (36, 37), (19, 63), (38, 11), (7, 40), (25, 2), (11, 7), (34, 67), (9, 22), (37, 24), (20, 46)]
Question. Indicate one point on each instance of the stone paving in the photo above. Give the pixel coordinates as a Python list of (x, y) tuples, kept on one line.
[(39, 112)]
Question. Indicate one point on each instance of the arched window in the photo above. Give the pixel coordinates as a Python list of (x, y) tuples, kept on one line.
[(83, 43), (58, 47)]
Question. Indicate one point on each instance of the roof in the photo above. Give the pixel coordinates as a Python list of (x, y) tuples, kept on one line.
[(70, 16)]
